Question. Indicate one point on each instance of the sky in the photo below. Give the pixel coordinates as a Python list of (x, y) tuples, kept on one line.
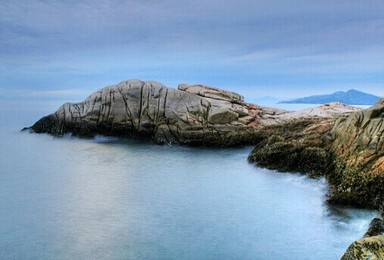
[(65, 50)]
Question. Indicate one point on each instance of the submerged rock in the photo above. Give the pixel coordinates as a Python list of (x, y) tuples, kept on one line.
[(193, 115)]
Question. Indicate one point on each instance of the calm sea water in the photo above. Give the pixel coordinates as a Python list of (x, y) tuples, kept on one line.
[(109, 198)]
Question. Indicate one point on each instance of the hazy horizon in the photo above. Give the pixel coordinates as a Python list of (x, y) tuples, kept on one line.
[(65, 50)]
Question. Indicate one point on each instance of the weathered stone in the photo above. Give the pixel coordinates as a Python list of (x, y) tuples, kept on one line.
[(211, 92), (193, 115), (359, 148), (347, 149), (366, 248), (297, 146), (245, 120), (331, 110), (221, 115), (335, 140), (369, 247), (375, 228)]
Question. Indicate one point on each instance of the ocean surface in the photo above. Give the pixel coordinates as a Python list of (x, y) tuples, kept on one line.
[(111, 198)]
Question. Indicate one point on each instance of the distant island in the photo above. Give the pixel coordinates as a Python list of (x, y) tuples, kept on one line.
[(350, 97)]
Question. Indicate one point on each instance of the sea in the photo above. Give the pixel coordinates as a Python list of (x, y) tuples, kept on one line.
[(115, 198)]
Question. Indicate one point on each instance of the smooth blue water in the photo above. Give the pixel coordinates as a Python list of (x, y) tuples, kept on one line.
[(109, 198)]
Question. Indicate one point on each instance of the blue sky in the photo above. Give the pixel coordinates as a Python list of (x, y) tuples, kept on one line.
[(68, 49)]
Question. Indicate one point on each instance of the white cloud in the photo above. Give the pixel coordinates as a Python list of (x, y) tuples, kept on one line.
[(274, 43)]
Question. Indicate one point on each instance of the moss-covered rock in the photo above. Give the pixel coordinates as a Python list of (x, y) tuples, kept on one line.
[(299, 145), (371, 246), (348, 150)]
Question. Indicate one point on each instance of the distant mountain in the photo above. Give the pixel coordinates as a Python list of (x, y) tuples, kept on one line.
[(351, 97)]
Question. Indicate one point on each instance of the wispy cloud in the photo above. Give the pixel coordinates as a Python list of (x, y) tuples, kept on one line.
[(56, 45), (78, 25)]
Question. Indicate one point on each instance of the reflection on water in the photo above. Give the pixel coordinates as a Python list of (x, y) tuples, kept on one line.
[(111, 198)]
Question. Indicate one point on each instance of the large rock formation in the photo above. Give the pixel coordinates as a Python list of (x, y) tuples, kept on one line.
[(338, 141), (193, 115), (328, 140), (348, 150)]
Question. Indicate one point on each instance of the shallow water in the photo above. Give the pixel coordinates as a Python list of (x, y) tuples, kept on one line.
[(110, 198)]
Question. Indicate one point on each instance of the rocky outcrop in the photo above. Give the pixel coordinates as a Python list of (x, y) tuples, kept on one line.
[(341, 142), (371, 246), (359, 148), (326, 111), (348, 150), (193, 115), (330, 110), (299, 141), (299, 145)]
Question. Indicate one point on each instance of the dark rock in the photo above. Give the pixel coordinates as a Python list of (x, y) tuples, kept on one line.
[(371, 246), (375, 228), (359, 148), (298, 145), (348, 150)]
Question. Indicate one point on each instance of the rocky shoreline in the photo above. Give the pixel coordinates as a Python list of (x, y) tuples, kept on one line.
[(343, 143), (347, 150)]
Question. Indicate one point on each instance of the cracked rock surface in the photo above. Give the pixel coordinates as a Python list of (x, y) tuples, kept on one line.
[(341, 142), (193, 115), (359, 148)]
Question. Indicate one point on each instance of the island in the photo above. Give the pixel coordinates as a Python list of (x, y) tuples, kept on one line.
[(350, 97)]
